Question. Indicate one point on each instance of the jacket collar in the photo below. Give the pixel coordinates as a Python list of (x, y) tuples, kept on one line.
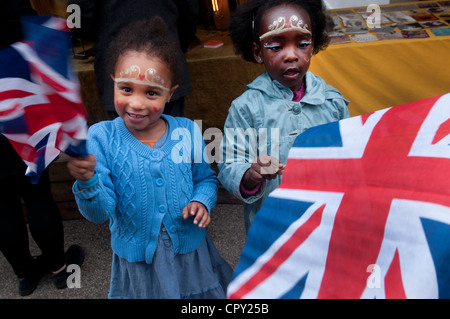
[(315, 88)]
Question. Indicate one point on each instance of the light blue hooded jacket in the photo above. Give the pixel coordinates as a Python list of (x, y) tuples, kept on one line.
[(264, 119)]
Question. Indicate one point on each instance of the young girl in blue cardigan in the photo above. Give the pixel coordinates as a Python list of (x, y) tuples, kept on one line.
[(143, 175)]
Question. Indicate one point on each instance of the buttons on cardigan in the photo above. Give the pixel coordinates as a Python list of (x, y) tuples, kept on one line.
[(157, 155), (172, 229), (159, 182), (162, 208)]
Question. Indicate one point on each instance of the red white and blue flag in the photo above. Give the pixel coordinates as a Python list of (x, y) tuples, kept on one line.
[(41, 112), (363, 211)]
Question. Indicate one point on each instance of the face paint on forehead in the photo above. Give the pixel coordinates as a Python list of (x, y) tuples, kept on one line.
[(280, 25), (149, 77)]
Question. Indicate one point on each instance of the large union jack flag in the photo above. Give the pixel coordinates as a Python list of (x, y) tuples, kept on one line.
[(363, 211), (41, 112)]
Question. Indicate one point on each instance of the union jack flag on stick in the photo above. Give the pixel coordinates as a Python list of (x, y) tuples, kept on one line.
[(363, 211), (41, 112)]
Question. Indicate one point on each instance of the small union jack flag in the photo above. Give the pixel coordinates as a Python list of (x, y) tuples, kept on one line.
[(41, 112), (363, 211)]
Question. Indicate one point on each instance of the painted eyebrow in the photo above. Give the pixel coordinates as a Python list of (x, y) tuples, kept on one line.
[(154, 87), (272, 46)]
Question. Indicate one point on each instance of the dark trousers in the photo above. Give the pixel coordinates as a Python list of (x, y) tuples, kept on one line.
[(44, 221)]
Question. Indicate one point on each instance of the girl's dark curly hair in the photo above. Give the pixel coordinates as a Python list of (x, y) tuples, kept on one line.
[(246, 19), (150, 37)]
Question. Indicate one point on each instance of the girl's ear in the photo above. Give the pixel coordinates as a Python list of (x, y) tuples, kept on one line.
[(257, 53), (172, 91), (112, 76)]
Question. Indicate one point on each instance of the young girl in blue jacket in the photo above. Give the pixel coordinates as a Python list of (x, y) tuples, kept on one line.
[(145, 175), (277, 106)]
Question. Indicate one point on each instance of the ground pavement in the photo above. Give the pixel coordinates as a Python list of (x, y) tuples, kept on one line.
[(226, 230)]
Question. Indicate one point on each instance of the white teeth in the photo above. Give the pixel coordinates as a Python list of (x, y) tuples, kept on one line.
[(136, 115)]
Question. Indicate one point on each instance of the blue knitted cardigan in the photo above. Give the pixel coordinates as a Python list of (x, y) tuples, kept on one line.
[(140, 188)]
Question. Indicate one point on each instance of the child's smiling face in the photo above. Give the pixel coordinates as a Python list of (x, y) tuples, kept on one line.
[(286, 54), (142, 88)]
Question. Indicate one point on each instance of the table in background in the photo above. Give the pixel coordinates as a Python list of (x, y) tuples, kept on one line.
[(384, 73)]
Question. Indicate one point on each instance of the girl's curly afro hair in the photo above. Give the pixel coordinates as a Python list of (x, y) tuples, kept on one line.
[(148, 36)]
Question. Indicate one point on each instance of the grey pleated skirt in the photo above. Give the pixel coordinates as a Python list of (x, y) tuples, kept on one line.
[(202, 273)]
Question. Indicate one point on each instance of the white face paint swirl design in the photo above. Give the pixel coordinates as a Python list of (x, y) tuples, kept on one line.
[(149, 77), (280, 25)]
